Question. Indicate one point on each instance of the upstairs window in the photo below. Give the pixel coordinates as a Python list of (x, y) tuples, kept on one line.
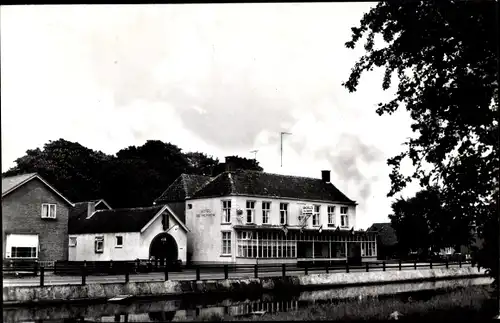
[(344, 217), (331, 215), (283, 213), (315, 215), (266, 210), (226, 211), (250, 211), (48, 211)]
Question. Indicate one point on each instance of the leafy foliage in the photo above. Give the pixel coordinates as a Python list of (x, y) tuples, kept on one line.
[(444, 55), (132, 178)]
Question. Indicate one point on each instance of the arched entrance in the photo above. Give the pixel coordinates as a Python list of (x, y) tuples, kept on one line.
[(164, 246)]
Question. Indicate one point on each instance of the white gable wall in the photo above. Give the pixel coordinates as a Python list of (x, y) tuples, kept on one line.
[(175, 230)]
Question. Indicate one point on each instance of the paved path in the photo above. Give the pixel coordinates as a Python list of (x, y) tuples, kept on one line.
[(189, 274)]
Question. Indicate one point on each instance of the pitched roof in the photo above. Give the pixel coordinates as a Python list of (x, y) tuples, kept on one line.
[(255, 183), (12, 183), (79, 212), (182, 188), (386, 233), (115, 220)]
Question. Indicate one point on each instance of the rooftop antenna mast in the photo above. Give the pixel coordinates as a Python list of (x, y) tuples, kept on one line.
[(281, 147), (254, 152)]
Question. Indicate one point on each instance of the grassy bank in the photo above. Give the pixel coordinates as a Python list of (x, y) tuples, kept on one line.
[(463, 304)]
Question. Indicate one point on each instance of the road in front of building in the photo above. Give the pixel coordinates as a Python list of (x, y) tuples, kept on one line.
[(190, 274)]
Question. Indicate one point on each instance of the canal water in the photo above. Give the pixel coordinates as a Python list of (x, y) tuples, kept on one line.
[(189, 307)]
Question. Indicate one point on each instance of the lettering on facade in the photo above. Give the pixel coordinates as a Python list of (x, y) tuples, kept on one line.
[(205, 212), (307, 209)]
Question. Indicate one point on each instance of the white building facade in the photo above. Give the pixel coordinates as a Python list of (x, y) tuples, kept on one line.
[(127, 235), (249, 217)]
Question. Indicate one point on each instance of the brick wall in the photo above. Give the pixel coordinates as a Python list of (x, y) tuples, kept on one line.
[(21, 213)]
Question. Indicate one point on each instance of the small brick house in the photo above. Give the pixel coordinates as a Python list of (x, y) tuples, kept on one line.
[(34, 219)]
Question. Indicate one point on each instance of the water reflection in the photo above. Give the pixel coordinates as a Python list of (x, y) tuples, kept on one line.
[(195, 307)]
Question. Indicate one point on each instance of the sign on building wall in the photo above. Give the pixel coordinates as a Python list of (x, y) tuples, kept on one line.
[(205, 212), (307, 209)]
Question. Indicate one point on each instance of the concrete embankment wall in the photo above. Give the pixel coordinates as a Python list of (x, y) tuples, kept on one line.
[(103, 291)]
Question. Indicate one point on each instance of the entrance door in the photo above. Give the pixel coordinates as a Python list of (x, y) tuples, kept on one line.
[(163, 247), (354, 253)]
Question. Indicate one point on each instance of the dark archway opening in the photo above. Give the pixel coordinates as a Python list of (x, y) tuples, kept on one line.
[(164, 247)]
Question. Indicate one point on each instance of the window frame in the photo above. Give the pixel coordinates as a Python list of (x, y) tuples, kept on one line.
[(251, 210), (97, 240), (116, 241), (344, 217), (226, 211), (266, 213), (316, 215), (74, 239), (49, 206), (331, 215), (226, 247), (283, 213), (12, 252)]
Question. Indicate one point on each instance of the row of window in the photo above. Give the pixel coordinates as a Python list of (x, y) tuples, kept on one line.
[(250, 212), (273, 245), (98, 243), (302, 236), (23, 252)]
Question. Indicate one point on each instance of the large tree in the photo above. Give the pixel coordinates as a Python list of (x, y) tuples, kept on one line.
[(444, 56), (72, 168)]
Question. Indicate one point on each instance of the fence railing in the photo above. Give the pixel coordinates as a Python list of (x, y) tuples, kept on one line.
[(126, 268)]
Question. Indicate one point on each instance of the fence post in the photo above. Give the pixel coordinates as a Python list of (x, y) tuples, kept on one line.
[(36, 269), (42, 274), (256, 271), (111, 266), (347, 267), (84, 267), (198, 273), (306, 269), (415, 264), (327, 271), (460, 262), (383, 266), (226, 272), (137, 264), (166, 272), (283, 269), (367, 267), (430, 264), (478, 268), (399, 264), (447, 265), (127, 277)]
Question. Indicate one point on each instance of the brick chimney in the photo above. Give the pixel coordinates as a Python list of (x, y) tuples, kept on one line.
[(90, 209), (325, 176), (230, 163)]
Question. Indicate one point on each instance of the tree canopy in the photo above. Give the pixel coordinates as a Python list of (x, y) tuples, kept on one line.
[(443, 55), (134, 177)]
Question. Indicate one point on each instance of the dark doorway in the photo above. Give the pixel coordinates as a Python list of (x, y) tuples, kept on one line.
[(354, 254), (163, 247)]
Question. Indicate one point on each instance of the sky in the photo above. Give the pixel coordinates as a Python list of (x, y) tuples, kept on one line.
[(223, 79)]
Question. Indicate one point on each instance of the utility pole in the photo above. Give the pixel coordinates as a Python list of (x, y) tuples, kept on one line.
[(254, 152), (281, 147)]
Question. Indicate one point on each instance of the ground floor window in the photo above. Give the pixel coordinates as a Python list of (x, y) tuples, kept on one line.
[(226, 243), (21, 246), (265, 245)]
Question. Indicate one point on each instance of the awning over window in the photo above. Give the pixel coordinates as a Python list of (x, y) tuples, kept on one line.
[(21, 240)]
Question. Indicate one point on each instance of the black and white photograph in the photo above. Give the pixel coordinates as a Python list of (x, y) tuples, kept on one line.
[(287, 161)]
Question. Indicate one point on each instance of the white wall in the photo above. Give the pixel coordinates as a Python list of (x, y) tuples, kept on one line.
[(175, 230), (205, 238), (135, 244), (85, 247), (294, 208)]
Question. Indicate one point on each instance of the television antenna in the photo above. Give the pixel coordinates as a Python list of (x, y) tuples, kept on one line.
[(281, 146), (254, 152)]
